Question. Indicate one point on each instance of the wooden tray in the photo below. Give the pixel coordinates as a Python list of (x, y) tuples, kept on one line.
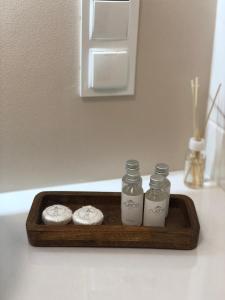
[(181, 230)]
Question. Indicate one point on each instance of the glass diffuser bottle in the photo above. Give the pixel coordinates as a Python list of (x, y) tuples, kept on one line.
[(195, 164)]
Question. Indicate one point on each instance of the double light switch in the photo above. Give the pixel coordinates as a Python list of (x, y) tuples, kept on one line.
[(109, 41)]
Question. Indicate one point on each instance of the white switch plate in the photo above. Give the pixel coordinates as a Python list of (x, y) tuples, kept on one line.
[(108, 69), (99, 74), (110, 20)]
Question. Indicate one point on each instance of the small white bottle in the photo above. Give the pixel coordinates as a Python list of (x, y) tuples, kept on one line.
[(163, 169), (132, 202), (155, 202)]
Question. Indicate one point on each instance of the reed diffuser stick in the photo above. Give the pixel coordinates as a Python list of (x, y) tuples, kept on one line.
[(194, 90), (212, 106), (193, 104), (196, 133)]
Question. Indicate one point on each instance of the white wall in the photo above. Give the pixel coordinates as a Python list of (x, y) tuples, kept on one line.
[(49, 135), (215, 167)]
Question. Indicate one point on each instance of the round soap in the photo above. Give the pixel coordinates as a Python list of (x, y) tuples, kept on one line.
[(57, 215), (88, 215)]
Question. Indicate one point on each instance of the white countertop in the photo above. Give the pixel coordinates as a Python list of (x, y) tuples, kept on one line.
[(29, 273)]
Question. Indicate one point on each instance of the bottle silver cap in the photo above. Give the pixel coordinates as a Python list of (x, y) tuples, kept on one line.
[(132, 164), (162, 169), (133, 172), (156, 181), (133, 177)]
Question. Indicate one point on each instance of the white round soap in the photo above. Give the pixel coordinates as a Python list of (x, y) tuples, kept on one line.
[(88, 215), (57, 215)]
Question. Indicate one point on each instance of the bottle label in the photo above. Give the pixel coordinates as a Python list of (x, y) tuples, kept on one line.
[(132, 209), (155, 212)]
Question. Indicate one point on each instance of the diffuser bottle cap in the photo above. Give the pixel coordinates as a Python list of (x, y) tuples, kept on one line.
[(195, 145)]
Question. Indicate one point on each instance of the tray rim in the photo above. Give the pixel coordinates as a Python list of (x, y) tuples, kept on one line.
[(31, 225)]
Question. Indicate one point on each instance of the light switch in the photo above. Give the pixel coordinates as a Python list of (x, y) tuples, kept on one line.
[(110, 20), (109, 32), (108, 69)]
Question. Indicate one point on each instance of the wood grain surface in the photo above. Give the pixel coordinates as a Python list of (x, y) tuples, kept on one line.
[(181, 230)]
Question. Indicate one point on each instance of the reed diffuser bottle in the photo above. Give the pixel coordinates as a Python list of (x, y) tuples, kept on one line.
[(195, 159), (195, 163)]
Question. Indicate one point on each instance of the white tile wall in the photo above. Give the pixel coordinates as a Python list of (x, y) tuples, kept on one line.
[(215, 135), (218, 113), (215, 152)]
